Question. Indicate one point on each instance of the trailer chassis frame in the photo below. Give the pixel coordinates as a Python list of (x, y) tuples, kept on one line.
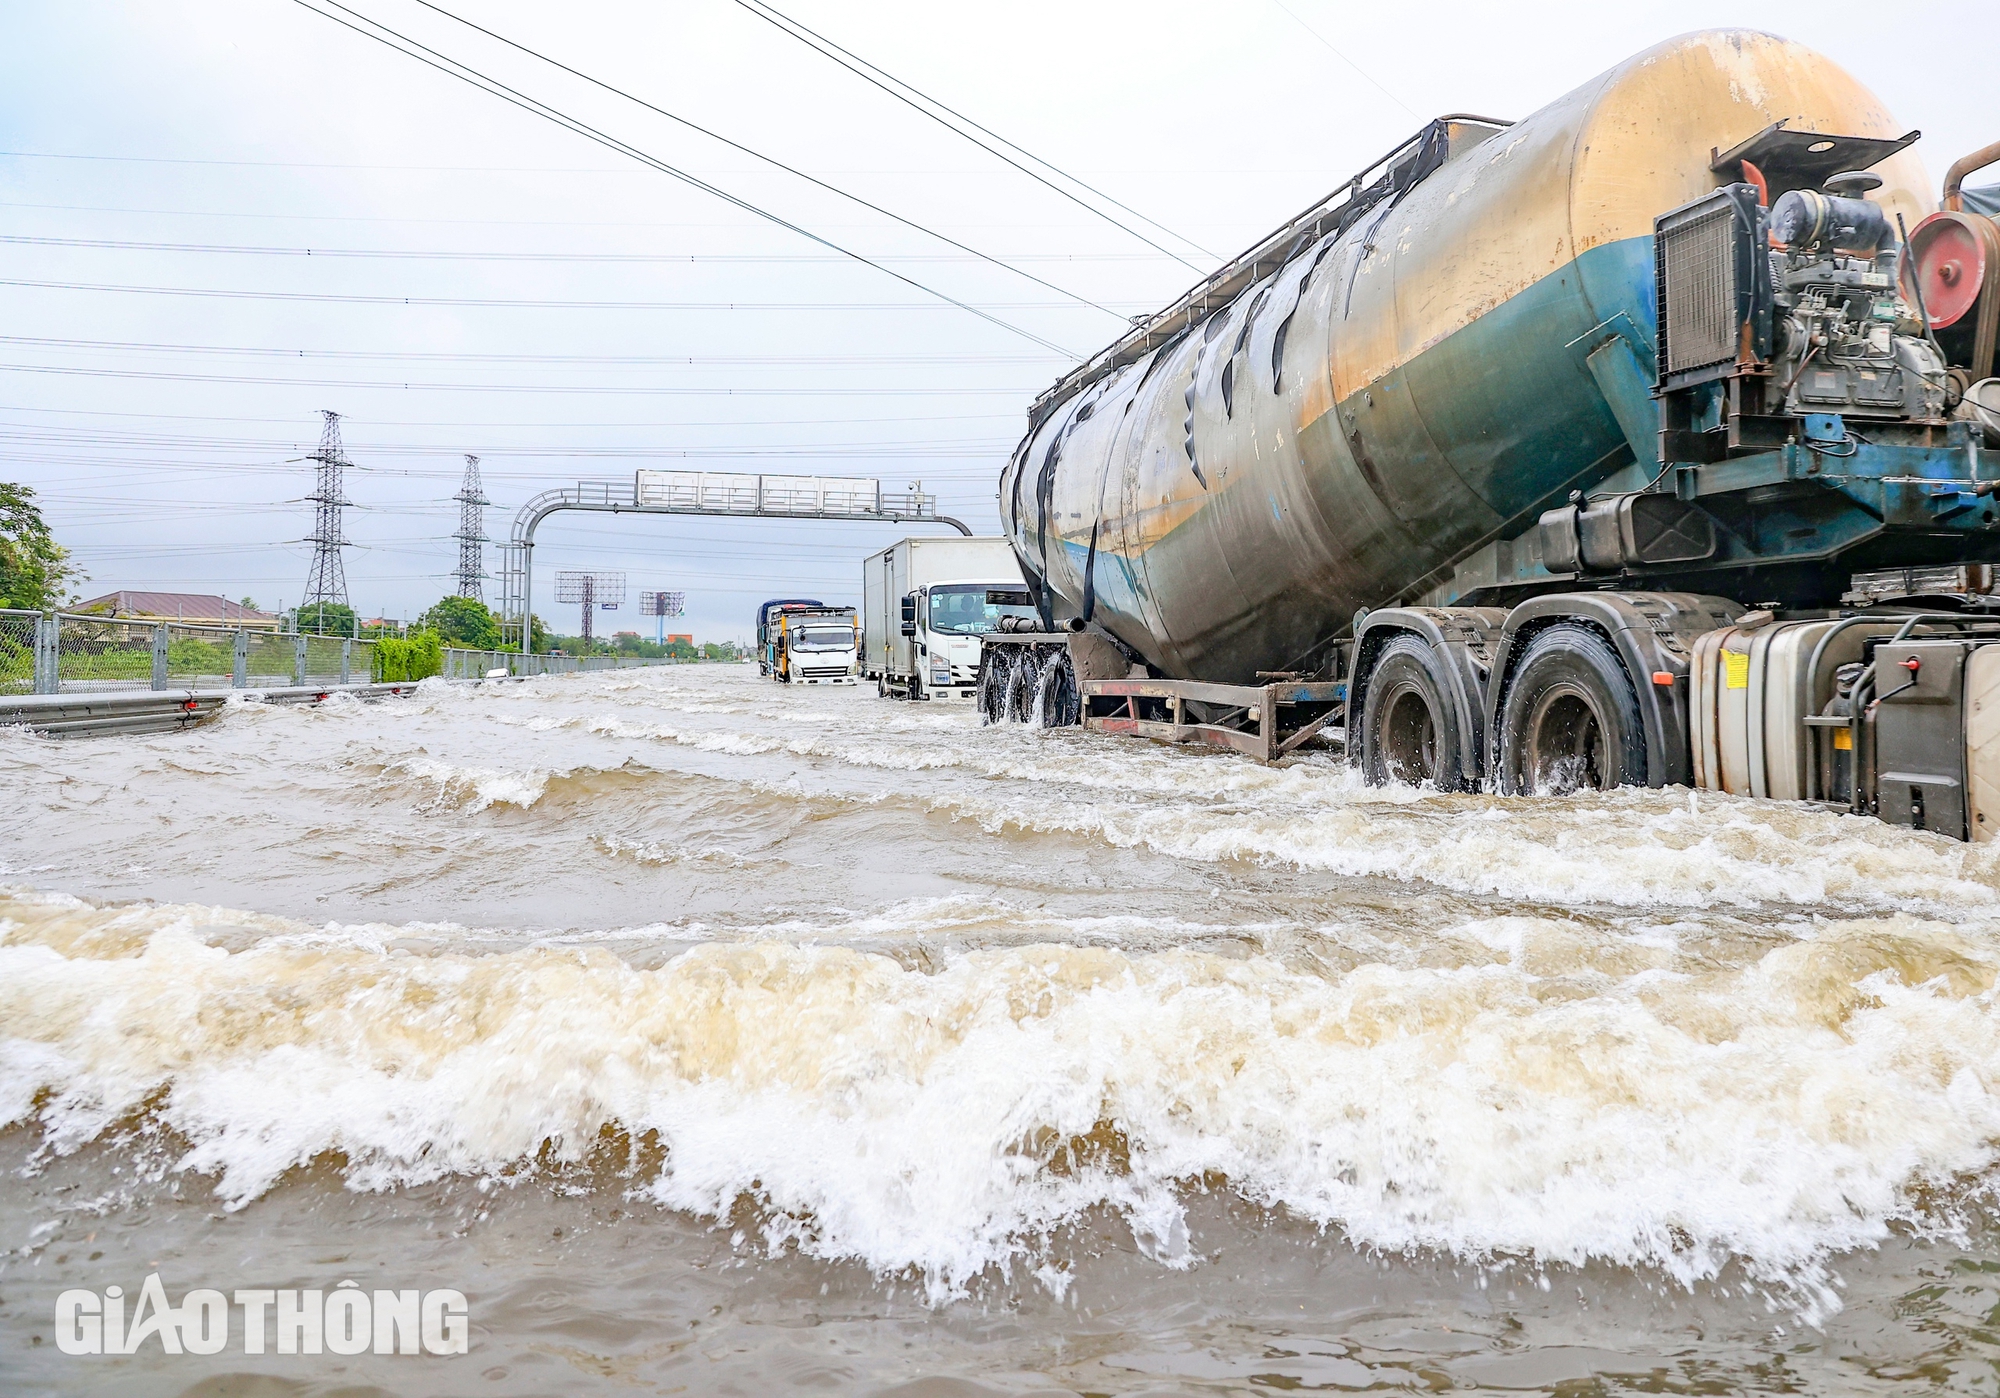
[(1266, 722)]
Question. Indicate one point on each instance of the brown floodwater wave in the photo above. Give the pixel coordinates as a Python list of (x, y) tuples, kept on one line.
[(714, 1036)]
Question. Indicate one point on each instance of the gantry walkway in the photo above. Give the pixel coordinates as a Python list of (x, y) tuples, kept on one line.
[(721, 494)]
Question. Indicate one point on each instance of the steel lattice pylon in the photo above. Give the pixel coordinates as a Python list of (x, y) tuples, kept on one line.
[(471, 535), (327, 582)]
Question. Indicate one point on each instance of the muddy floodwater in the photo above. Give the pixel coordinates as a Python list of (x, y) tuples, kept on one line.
[(717, 1037)]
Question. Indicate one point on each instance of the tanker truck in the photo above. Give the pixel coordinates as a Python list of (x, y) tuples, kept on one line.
[(1650, 439)]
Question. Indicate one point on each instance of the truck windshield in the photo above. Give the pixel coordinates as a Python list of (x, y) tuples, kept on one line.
[(972, 609), (824, 638)]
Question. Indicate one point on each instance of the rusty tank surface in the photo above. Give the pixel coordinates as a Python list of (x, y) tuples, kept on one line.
[(1408, 373)]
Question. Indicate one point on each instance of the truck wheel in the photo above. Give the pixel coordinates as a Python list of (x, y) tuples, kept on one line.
[(1061, 705), (1571, 721), (1023, 678), (993, 673), (1408, 731)]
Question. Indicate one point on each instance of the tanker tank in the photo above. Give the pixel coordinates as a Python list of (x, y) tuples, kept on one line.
[(1410, 371)]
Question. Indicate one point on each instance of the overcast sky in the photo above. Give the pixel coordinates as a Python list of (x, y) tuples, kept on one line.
[(164, 429)]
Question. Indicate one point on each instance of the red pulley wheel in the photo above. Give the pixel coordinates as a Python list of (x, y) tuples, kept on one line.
[(1951, 259)]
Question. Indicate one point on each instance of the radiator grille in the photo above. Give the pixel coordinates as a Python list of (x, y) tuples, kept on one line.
[(1698, 282)]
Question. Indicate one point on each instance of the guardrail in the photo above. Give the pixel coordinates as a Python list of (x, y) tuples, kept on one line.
[(70, 715), (480, 664)]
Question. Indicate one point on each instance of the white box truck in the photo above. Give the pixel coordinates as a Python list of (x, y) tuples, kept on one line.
[(924, 606)]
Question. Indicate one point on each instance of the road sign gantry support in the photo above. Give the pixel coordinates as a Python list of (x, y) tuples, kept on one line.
[(623, 497)]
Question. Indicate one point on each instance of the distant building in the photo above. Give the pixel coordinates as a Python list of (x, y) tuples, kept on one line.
[(194, 608), (633, 634), (672, 638)]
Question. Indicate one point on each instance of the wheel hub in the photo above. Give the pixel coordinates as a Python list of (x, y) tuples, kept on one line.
[(1409, 738), (1566, 744)]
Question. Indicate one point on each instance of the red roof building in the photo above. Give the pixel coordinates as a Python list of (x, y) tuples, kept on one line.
[(194, 608)]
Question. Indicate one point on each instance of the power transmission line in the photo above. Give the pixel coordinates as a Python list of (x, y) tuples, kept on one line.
[(453, 68), (942, 302), (323, 165), (667, 258), (619, 390), (563, 426), (732, 361), (539, 223), (1294, 17), (739, 146), (921, 102)]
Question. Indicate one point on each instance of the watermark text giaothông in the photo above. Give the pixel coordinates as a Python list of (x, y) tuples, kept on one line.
[(254, 1320)]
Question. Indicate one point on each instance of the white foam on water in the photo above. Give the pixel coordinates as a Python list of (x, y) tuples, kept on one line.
[(1632, 848), (1551, 1090), (476, 788)]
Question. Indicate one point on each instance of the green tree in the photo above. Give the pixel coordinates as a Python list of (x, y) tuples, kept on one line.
[(464, 621), (418, 657), (34, 569), (326, 619), (542, 642)]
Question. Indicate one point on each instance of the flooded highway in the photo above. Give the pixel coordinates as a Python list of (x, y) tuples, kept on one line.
[(718, 1037)]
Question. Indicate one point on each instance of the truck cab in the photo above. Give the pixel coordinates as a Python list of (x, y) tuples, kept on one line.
[(925, 605), (767, 628), (942, 625), (816, 645)]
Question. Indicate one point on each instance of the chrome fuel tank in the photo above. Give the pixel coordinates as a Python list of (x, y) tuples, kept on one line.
[(1383, 397)]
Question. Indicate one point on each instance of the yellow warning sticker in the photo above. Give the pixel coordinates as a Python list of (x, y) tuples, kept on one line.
[(1735, 669), (1843, 738)]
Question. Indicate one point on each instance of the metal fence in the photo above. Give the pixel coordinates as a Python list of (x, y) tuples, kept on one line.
[(20, 652), (64, 653)]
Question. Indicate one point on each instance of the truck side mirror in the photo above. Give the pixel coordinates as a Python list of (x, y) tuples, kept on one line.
[(909, 628), (910, 614)]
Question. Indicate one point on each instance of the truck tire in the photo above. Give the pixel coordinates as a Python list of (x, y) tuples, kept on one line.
[(1057, 697), (1024, 677), (1409, 731), (1571, 720), (995, 666)]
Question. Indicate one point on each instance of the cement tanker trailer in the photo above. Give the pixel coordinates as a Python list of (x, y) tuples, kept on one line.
[(1609, 446)]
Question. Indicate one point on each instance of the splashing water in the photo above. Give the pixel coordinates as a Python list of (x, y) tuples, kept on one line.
[(950, 1013)]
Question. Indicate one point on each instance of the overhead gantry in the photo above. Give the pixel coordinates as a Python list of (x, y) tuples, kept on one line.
[(721, 494)]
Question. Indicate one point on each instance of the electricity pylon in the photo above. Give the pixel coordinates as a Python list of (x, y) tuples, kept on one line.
[(327, 582), (472, 504)]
